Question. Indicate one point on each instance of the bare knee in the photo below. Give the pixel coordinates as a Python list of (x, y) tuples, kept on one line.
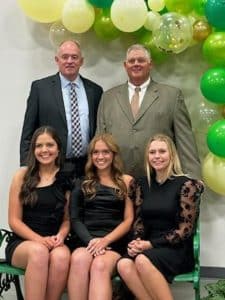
[(81, 259), (38, 255), (60, 258), (124, 267), (99, 266), (142, 263)]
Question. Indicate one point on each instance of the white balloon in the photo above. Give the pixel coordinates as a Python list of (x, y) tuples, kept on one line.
[(156, 5), (153, 20), (128, 15), (78, 15)]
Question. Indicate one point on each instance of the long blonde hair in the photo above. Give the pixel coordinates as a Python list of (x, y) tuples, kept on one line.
[(91, 174), (174, 167)]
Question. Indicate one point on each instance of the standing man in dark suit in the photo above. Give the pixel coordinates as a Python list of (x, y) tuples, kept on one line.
[(49, 103), (140, 108)]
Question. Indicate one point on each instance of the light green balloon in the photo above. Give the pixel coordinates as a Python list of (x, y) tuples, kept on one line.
[(179, 6), (104, 28), (214, 49), (199, 6)]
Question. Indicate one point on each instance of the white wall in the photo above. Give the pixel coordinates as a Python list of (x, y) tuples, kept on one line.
[(26, 54)]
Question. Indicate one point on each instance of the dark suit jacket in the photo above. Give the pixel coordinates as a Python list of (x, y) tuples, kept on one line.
[(45, 106), (162, 111)]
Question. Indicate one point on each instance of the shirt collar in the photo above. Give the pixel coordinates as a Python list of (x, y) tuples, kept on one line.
[(65, 82), (142, 86)]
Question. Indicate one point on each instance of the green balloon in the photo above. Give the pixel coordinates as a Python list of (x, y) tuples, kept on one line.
[(212, 85), (214, 49), (216, 138), (180, 6), (104, 27), (101, 3), (199, 6), (158, 56)]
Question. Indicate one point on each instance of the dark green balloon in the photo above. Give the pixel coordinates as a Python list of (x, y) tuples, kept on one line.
[(101, 3), (104, 27), (215, 13), (216, 138), (212, 85)]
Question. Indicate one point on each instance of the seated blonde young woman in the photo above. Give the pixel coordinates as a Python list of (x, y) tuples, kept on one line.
[(168, 209)]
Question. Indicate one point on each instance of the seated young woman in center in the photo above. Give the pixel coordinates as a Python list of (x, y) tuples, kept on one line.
[(101, 214)]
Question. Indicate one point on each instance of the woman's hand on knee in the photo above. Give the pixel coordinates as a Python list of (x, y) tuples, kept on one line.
[(57, 239), (47, 241), (98, 246)]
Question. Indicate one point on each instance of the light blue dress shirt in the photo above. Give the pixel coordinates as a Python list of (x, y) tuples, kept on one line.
[(83, 112)]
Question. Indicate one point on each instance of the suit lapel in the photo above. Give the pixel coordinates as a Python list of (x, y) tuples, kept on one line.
[(122, 98), (151, 95), (90, 94), (57, 91)]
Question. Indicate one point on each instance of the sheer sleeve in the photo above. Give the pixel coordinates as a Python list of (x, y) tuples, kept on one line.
[(76, 213), (137, 227), (190, 194)]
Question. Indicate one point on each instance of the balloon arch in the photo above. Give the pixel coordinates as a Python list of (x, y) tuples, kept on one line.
[(164, 27)]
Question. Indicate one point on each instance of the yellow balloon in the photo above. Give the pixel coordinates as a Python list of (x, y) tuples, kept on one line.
[(127, 15), (213, 171), (78, 16), (44, 11), (156, 5)]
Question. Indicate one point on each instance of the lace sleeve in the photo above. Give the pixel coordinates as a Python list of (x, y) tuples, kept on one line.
[(188, 214), (137, 227)]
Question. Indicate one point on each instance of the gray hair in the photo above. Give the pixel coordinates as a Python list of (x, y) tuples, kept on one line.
[(139, 47), (70, 40)]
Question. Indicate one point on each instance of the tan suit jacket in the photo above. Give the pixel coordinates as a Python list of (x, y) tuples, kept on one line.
[(162, 111)]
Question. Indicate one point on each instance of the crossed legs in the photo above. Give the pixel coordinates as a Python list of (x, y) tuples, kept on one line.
[(144, 279), (90, 277)]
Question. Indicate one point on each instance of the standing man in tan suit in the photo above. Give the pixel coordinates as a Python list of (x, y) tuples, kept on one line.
[(136, 110)]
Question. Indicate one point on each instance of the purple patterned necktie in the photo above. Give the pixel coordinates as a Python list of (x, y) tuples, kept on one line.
[(75, 123)]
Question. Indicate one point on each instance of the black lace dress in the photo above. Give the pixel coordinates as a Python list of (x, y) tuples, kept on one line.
[(46, 215), (97, 216), (166, 216)]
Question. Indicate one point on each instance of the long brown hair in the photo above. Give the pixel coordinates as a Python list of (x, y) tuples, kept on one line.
[(31, 178), (174, 167), (91, 177)]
